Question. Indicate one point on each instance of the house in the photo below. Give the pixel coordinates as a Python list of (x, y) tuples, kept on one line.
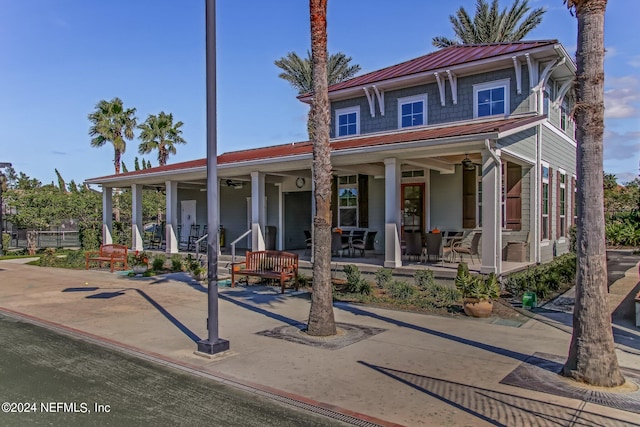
[(470, 137)]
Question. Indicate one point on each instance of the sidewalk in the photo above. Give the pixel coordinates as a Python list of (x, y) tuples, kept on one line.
[(413, 369)]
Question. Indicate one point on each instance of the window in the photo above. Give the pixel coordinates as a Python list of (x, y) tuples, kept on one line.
[(348, 201), (490, 99), (574, 184), (412, 111), (562, 226), (544, 226), (348, 121), (546, 99), (564, 116)]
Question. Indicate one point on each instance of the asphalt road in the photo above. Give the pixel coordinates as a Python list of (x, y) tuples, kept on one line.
[(52, 379)]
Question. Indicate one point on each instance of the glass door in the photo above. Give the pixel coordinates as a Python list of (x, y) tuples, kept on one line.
[(413, 207)]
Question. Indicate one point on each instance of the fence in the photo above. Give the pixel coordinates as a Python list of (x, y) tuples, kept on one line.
[(46, 239)]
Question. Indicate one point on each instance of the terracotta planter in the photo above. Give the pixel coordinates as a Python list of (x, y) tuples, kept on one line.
[(475, 307)]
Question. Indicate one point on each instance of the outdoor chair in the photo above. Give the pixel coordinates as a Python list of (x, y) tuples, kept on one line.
[(338, 244), (459, 249), (307, 241), (434, 246), (366, 244), (194, 234), (413, 245)]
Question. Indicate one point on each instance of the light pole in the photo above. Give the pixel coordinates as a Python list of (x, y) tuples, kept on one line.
[(2, 166), (213, 344)]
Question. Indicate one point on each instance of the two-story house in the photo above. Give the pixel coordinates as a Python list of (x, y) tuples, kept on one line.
[(471, 137)]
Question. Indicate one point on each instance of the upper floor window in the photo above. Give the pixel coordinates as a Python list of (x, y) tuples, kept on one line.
[(562, 214), (545, 224), (491, 99), (547, 98), (348, 121), (564, 116), (412, 111)]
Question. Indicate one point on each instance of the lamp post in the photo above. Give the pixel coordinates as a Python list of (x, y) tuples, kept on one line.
[(2, 166), (213, 344)]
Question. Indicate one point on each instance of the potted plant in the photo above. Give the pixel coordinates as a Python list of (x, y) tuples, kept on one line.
[(140, 262), (198, 272), (477, 291)]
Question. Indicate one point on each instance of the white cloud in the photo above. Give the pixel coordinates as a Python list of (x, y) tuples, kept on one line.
[(622, 97), (621, 146), (610, 52)]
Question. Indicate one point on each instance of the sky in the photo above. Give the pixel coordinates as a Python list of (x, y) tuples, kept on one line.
[(59, 58)]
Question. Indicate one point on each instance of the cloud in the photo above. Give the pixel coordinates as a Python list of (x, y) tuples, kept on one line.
[(60, 153), (621, 146), (625, 177), (622, 97), (610, 52), (634, 61)]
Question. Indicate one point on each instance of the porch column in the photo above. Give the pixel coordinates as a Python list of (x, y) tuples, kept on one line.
[(171, 236), (257, 211), (107, 215), (392, 251), (491, 214), (136, 218)]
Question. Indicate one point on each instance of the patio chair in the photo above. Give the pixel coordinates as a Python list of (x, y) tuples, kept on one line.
[(338, 244), (434, 246), (307, 241), (458, 248), (194, 234), (366, 244), (413, 242)]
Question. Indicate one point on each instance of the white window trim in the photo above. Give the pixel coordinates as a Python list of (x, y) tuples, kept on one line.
[(505, 83), (356, 207), (347, 110), (563, 218), (543, 181), (410, 99)]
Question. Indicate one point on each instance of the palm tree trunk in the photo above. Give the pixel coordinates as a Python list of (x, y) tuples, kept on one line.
[(162, 157), (592, 358), (321, 319), (116, 160)]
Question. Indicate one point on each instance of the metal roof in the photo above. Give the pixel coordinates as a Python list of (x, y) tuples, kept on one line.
[(482, 129), (439, 60)]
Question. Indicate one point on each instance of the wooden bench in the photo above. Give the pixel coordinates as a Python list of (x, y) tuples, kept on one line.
[(269, 265), (108, 253)]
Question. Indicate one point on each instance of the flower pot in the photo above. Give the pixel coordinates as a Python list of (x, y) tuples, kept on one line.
[(140, 269), (475, 307), (200, 276)]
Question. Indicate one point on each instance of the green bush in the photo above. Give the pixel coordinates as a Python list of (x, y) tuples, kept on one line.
[(176, 262), (303, 280), (545, 279), (6, 241), (48, 258), (440, 295), (90, 234), (355, 282), (399, 289), (383, 277), (158, 262), (424, 279), (74, 259)]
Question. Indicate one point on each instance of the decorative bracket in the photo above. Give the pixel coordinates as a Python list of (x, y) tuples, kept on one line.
[(532, 65), (518, 70), (440, 82), (453, 82), (380, 96), (546, 73), (372, 105), (562, 92)]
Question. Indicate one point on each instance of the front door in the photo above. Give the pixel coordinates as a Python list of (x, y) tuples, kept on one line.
[(413, 207), (188, 217)]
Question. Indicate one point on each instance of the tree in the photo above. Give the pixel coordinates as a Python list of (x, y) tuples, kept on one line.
[(159, 133), (321, 318), (592, 358), (148, 164), (61, 184), (124, 168), (491, 26), (136, 164), (298, 72), (111, 122), (11, 177)]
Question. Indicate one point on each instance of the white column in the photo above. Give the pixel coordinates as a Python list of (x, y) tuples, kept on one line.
[(280, 242), (491, 214), (107, 215), (392, 251), (136, 218), (171, 235), (257, 211)]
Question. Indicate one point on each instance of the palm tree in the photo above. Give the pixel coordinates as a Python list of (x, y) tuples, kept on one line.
[(592, 358), (490, 26), (298, 72), (159, 133), (321, 320), (111, 122)]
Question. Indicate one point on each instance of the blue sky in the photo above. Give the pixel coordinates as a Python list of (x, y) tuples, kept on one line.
[(58, 58)]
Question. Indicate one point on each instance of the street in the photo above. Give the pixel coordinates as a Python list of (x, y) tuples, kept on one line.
[(52, 379)]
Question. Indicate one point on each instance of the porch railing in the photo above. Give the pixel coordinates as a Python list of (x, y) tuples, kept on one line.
[(233, 245)]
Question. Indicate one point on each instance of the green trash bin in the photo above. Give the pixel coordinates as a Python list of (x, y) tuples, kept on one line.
[(529, 300)]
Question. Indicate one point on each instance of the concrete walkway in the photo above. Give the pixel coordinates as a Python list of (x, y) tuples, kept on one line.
[(419, 370)]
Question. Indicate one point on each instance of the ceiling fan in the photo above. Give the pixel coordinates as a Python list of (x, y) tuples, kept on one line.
[(233, 184)]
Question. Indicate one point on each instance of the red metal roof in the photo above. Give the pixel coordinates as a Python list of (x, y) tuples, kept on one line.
[(443, 58), (301, 148)]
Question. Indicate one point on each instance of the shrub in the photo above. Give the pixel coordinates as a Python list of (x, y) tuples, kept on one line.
[(75, 259), (544, 279), (424, 279), (383, 277), (440, 295), (355, 282), (6, 241), (399, 289), (303, 280), (48, 258), (158, 262), (176, 262), (90, 234)]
